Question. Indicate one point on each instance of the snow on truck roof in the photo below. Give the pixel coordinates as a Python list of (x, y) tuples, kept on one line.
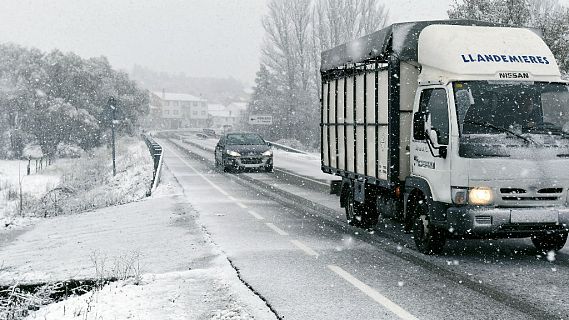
[(400, 38)]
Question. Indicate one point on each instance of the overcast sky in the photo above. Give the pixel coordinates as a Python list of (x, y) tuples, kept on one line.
[(217, 38)]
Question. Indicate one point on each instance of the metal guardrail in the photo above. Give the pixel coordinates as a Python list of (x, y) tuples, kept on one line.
[(157, 153), (285, 148)]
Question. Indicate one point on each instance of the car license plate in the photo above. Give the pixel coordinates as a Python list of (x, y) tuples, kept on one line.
[(534, 216)]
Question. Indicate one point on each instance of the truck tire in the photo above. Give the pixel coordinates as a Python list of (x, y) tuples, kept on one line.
[(428, 238), (550, 242), (362, 215)]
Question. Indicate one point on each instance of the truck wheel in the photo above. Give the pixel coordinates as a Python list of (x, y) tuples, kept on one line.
[(550, 242), (352, 208), (428, 238), (361, 215)]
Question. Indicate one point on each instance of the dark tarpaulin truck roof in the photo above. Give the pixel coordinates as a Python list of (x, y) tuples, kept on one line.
[(405, 38)]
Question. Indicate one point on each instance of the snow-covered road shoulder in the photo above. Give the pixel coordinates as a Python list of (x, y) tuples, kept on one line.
[(178, 272)]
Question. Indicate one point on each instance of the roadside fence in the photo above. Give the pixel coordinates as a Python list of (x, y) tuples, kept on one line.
[(40, 164)]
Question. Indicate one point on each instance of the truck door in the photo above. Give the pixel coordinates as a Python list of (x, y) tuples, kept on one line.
[(428, 155)]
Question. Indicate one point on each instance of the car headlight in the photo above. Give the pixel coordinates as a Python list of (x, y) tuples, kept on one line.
[(267, 153), (480, 196), (233, 153)]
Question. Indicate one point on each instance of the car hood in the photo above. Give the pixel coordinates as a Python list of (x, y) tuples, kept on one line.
[(245, 150)]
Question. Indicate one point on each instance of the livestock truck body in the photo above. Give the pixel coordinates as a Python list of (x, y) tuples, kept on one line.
[(459, 129)]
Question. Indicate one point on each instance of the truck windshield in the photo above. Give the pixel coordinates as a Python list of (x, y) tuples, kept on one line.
[(489, 107)]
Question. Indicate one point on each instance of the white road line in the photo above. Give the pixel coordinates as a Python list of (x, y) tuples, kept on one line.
[(276, 229), (370, 292), (237, 202), (256, 215), (198, 173), (304, 248)]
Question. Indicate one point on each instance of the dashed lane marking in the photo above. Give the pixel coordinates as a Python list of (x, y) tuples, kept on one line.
[(256, 215), (304, 248), (237, 202), (198, 173), (372, 293), (276, 229)]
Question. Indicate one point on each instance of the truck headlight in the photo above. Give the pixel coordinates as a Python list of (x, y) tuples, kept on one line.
[(480, 196), (233, 153), (267, 153)]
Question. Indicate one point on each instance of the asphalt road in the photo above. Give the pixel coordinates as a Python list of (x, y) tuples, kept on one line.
[(292, 246)]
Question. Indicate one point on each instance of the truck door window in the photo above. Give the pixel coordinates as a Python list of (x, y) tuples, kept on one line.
[(434, 101)]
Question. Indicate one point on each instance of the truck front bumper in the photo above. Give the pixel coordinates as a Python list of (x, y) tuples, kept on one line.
[(481, 222)]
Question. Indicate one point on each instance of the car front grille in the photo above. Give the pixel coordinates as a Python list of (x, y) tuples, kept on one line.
[(251, 160)]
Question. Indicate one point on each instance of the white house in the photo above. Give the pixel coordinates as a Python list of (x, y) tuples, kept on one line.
[(229, 116), (183, 110)]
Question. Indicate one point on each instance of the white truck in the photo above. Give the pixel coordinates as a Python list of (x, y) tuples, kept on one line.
[(460, 129)]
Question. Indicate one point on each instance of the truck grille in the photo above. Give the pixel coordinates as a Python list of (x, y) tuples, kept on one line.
[(523, 195)]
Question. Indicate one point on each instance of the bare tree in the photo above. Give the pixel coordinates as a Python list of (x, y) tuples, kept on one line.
[(297, 31)]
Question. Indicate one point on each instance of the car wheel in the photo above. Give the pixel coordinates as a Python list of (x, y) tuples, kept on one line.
[(362, 215), (428, 238), (550, 242), (269, 168)]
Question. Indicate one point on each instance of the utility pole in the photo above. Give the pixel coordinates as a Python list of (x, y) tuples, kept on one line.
[(112, 106)]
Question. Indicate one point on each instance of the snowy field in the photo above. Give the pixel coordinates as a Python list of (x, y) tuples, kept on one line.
[(85, 183), (11, 174)]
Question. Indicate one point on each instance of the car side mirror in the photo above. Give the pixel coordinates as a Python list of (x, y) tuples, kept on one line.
[(419, 126)]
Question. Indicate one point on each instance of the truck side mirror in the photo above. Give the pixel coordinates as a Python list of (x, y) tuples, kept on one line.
[(419, 126)]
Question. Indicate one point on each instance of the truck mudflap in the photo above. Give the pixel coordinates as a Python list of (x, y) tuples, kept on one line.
[(479, 222)]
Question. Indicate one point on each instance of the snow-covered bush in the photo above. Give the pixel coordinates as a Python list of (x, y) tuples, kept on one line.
[(88, 182), (65, 150)]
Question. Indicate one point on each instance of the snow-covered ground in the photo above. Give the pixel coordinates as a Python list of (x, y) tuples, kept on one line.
[(11, 174), (167, 266), (88, 179), (182, 275)]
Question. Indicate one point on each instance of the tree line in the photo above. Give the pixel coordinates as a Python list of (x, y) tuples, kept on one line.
[(59, 99), (287, 85)]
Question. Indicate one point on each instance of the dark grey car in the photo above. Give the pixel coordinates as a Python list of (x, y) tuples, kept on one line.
[(241, 150)]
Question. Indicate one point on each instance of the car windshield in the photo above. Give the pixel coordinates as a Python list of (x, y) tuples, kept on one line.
[(488, 107), (244, 139)]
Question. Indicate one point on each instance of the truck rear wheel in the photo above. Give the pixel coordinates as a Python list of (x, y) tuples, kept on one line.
[(363, 215), (550, 242), (428, 238)]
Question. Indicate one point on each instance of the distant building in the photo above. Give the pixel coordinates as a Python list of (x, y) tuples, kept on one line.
[(180, 110), (229, 116)]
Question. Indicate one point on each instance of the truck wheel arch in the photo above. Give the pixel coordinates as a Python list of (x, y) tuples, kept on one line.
[(418, 187), (415, 188)]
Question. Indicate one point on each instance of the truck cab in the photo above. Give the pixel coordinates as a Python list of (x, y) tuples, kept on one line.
[(490, 140)]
